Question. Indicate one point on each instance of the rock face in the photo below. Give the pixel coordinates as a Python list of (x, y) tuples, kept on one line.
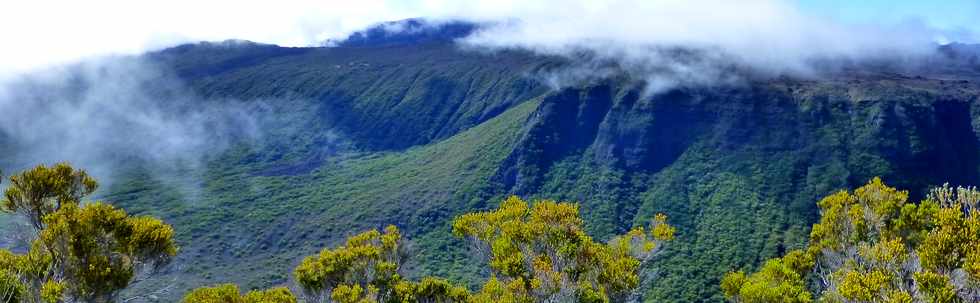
[(396, 131)]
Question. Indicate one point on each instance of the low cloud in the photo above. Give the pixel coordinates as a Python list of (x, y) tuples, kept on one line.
[(671, 43), (764, 32), (103, 113)]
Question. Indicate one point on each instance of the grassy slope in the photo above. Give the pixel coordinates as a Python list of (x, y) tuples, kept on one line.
[(253, 229), (351, 138), (381, 98)]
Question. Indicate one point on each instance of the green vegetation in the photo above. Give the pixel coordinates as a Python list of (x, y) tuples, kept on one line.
[(874, 245), (285, 217), (540, 254), (414, 135), (368, 268), (81, 252), (736, 171), (228, 293)]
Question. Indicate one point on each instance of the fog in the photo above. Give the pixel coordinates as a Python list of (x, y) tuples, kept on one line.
[(776, 33), (103, 113), (701, 42)]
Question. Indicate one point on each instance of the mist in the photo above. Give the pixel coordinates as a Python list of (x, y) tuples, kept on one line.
[(102, 114), (668, 43), (642, 37)]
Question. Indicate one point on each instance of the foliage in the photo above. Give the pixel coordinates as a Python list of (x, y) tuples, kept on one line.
[(779, 280), (737, 170), (11, 288), (100, 248), (875, 246), (432, 290), (565, 263), (228, 293), (40, 191), (81, 252), (541, 253), (368, 269)]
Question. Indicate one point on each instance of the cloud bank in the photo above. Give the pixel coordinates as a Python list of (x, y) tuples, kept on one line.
[(104, 113), (45, 32), (772, 37), (700, 42)]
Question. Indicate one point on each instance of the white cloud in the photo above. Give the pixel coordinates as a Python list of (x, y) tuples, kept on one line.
[(763, 32), (773, 37), (106, 112), (768, 29), (44, 32)]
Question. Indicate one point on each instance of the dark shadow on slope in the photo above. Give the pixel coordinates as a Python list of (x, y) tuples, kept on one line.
[(947, 150), (566, 123)]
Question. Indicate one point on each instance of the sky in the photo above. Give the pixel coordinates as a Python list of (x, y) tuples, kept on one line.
[(42, 33), (954, 16)]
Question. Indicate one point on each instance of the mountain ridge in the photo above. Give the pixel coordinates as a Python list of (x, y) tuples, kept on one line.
[(414, 133)]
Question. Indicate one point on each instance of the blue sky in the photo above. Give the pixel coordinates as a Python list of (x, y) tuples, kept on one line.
[(950, 15)]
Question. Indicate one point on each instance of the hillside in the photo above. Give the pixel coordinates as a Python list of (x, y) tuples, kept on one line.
[(414, 133)]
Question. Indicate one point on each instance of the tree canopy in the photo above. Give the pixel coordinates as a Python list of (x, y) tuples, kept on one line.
[(84, 252), (368, 268), (229, 293), (40, 191), (873, 245), (541, 253), (537, 252)]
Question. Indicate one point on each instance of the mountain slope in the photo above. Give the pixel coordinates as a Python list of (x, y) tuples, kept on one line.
[(253, 229), (385, 97), (740, 170), (359, 136)]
